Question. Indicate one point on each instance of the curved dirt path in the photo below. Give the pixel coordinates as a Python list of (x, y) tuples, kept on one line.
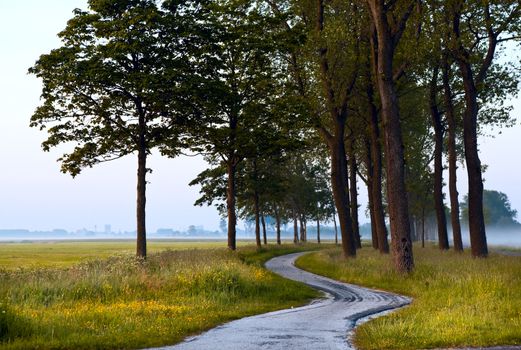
[(323, 324)]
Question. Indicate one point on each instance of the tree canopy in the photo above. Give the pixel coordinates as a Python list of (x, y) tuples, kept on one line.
[(114, 88), (291, 102), (497, 209)]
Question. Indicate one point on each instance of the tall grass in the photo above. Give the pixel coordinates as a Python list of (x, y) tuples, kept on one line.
[(124, 302), (458, 300)]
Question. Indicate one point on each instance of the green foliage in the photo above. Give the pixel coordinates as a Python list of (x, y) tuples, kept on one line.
[(213, 187), (496, 208), (115, 78), (459, 301), (497, 80)]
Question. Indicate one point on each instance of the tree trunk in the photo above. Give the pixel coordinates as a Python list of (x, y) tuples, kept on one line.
[(443, 238), (277, 220), (256, 206), (376, 179), (141, 250), (336, 145), (451, 145), (396, 191), (264, 236), (257, 218), (336, 229), (374, 233), (295, 227), (340, 191), (318, 230), (231, 191), (478, 237), (230, 203), (423, 227), (370, 174), (302, 228), (353, 192)]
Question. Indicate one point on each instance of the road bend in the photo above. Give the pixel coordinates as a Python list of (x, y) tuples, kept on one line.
[(323, 324)]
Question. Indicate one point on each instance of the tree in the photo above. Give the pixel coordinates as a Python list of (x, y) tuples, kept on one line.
[(353, 188), (474, 47), (496, 208), (450, 115), (436, 115), (274, 188), (112, 89), (235, 89), (332, 55), (419, 155), (390, 22), (373, 148)]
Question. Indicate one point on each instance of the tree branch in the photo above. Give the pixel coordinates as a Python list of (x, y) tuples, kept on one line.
[(397, 32), (491, 50)]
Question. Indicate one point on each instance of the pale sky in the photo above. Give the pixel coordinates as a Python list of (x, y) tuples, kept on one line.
[(35, 195)]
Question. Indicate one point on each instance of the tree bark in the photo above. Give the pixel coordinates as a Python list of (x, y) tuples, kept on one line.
[(478, 237), (257, 218), (451, 146), (295, 227), (303, 228), (353, 167), (340, 193), (443, 238), (230, 203), (374, 233), (231, 191), (264, 236), (376, 159), (387, 39), (336, 229), (277, 221), (141, 249), (370, 174), (256, 206)]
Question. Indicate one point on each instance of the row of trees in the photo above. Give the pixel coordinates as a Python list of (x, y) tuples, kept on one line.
[(272, 92)]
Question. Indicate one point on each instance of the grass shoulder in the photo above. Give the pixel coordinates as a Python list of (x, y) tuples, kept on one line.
[(121, 302), (459, 301)]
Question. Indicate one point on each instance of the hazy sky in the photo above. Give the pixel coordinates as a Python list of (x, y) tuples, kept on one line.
[(35, 195)]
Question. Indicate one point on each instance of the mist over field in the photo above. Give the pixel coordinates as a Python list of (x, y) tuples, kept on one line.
[(499, 236)]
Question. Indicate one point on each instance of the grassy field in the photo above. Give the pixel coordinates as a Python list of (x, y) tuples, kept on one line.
[(66, 253), (458, 300), (121, 302)]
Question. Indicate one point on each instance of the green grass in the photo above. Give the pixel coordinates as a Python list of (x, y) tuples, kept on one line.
[(458, 300), (122, 302), (66, 253)]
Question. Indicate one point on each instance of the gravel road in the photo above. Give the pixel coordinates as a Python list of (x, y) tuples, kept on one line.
[(323, 324)]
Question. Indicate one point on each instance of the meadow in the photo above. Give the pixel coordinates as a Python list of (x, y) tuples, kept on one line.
[(459, 301), (34, 254), (123, 302)]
